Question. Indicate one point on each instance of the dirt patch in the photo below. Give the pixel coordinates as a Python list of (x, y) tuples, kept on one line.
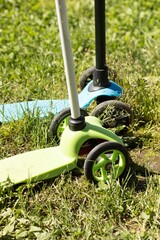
[(148, 158)]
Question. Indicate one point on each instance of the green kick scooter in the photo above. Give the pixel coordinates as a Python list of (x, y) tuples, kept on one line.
[(107, 160)]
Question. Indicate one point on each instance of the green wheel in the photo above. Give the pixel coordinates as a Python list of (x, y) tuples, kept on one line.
[(114, 114), (60, 122), (107, 161)]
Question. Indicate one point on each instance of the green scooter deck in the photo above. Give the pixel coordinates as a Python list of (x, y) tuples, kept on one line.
[(48, 163), (36, 165)]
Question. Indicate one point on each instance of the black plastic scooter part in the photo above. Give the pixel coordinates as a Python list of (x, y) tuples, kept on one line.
[(100, 75), (77, 124)]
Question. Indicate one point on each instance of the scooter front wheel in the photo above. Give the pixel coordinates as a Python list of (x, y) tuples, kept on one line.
[(60, 122), (114, 114), (107, 161), (87, 76)]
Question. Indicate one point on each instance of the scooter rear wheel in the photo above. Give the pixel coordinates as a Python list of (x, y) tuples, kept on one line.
[(107, 161), (114, 114)]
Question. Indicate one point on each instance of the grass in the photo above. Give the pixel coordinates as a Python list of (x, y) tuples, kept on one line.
[(31, 67), (71, 208)]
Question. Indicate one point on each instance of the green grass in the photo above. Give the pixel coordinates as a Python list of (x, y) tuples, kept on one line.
[(71, 208), (31, 67)]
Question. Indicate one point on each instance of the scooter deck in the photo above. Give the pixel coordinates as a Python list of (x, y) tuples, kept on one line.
[(35, 165), (50, 162), (15, 111)]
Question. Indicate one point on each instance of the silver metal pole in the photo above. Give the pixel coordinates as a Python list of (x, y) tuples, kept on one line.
[(67, 57)]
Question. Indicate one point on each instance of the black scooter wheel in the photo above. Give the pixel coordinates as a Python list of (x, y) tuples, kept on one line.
[(87, 76), (114, 114), (107, 161)]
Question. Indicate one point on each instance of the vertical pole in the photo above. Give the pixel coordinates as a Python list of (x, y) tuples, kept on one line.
[(100, 76), (100, 33), (67, 57)]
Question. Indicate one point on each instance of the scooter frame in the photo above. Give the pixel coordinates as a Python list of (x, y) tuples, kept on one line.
[(47, 163)]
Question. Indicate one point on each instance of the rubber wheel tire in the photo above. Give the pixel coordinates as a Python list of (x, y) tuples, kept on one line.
[(104, 169), (60, 121), (113, 114), (87, 76)]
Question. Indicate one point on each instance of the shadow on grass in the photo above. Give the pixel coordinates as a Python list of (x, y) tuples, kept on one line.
[(141, 176), (8, 237), (138, 178)]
